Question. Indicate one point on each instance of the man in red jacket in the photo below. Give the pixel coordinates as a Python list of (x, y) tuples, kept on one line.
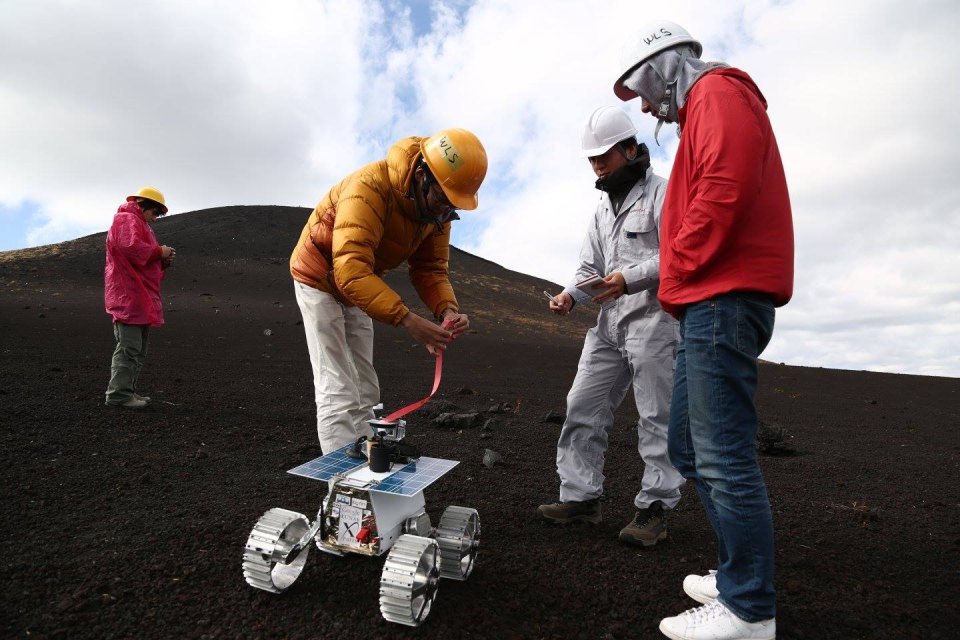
[(135, 266), (726, 261)]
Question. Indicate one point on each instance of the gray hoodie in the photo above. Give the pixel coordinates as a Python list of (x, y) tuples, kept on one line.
[(665, 80)]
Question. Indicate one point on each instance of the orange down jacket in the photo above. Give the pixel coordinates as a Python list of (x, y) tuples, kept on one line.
[(365, 226)]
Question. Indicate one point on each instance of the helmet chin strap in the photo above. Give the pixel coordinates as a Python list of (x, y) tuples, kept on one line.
[(664, 110)]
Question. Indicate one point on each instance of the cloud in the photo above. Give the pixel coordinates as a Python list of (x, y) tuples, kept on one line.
[(246, 102), (214, 103)]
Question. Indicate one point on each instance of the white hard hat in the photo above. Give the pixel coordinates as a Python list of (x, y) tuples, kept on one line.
[(606, 127), (649, 41)]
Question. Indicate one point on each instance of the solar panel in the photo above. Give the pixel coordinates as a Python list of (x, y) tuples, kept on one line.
[(325, 467), (415, 477), (406, 481)]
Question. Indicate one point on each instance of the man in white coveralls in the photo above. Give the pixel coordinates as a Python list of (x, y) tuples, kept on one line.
[(633, 343)]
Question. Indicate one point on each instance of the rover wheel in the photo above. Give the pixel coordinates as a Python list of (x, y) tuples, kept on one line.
[(418, 525), (408, 584), (458, 535), (268, 549)]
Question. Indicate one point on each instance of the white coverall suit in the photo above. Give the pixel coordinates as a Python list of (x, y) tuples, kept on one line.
[(633, 344)]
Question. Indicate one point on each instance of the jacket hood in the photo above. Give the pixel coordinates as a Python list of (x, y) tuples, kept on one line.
[(665, 79), (741, 76), (130, 207), (401, 161)]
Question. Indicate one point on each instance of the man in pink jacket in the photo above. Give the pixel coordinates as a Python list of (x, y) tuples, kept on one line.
[(135, 266), (726, 261)]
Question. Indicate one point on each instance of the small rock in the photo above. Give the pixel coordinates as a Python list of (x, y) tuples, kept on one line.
[(458, 420), (491, 457), (467, 420), (442, 419), (438, 407), (267, 332), (772, 439)]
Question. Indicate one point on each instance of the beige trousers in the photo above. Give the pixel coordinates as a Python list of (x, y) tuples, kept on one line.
[(340, 342)]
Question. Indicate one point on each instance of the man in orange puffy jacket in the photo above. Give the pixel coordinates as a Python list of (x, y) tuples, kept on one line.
[(387, 212), (135, 265)]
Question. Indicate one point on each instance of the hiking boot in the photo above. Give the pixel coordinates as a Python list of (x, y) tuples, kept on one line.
[(715, 622), (566, 512), (647, 528), (703, 589), (140, 397), (132, 403)]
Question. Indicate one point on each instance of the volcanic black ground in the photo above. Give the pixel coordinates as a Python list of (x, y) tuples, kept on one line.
[(118, 524)]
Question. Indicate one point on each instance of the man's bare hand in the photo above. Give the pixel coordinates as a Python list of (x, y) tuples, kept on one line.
[(167, 252), (433, 337), (455, 322), (561, 304), (612, 288)]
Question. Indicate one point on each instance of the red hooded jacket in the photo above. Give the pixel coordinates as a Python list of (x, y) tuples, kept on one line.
[(134, 269), (726, 224)]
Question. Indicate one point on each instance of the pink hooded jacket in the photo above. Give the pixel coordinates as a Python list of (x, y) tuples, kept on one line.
[(134, 269)]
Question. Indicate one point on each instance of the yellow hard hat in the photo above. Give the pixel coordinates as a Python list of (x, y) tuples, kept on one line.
[(150, 194), (458, 162)]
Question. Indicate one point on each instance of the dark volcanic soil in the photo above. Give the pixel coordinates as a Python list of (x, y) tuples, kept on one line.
[(131, 525)]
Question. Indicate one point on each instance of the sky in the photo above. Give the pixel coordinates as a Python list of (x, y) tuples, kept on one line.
[(245, 102)]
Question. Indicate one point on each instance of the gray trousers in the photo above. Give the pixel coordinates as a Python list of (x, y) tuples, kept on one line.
[(605, 374), (128, 357)]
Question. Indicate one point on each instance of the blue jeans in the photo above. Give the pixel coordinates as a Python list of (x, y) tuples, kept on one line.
[(712, 441)]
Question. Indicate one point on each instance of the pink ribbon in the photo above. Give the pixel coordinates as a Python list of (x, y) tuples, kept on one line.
[(399, 413)]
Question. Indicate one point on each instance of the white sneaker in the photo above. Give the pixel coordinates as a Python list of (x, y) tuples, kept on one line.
[(715, 622), (703, 589), (140, 397)]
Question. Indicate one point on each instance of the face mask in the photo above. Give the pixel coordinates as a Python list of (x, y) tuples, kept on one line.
[(629, 173), (651, 82)]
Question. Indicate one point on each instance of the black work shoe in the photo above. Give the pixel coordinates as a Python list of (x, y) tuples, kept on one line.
[(566, 512), (132, 403), (647, 528)]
